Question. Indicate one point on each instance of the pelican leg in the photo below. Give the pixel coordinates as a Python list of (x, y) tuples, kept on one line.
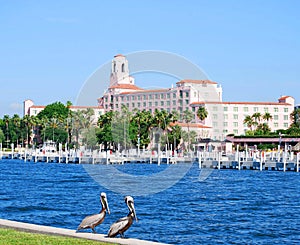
[(94, 231), (122, 235)]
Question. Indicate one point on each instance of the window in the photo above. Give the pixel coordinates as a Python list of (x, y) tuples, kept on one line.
[(255, 109), (235, 131), (225, 116), (235, 124), (132, 98), (186, 101), (246, 109), (225, 108), (150, 103), (285, 117), (162, 96), (139, 104), (225, 124), (145, 97), (114, 67), (168, 103), (123, 67), (162, 103), (276, 109), (168, 96), (215, 124), (187, 94), (286, 109), (133, 104), (150, 96), (235, 109), (215, 108), (215, 116), (193, 109), (144, 104), (286, 125), (276, 117), (275, 125), (150, 110), (156, 96), (156, 103), (225, 131), (174, 102), (122, 98), (174, 95), (266, 109), (236, 116), (139, 97)]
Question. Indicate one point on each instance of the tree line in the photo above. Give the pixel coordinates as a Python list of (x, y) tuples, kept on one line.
[(123, 130)]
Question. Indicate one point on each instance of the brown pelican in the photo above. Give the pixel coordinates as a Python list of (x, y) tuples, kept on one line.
[(92, 221), (124, 223)]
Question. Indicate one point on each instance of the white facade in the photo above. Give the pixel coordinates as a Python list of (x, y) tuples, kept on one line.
[(223, 117)]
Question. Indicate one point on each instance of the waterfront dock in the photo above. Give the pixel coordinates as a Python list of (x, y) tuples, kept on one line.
[(275, 161)]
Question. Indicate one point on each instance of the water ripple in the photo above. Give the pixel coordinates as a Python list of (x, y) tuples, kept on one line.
[(230, 207)]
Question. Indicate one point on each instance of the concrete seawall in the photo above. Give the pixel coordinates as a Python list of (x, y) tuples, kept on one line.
[(71, 233)]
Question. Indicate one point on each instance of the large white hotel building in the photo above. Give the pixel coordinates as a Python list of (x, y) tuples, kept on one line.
[(223, 117)]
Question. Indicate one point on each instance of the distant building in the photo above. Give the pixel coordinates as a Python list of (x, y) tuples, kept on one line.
[(33, 110), (223, 117)]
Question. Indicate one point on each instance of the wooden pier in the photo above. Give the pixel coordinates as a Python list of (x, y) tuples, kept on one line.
[(274, 161)]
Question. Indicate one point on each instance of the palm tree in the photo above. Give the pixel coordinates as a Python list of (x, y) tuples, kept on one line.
[(257, 117), (249, 122), (188, 117), (17, 123), (28, 123), (6, 119), (202, 113), (267, 116)]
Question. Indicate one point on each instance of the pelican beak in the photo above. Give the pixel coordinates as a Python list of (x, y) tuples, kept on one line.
[(133, 211), (106, 206)]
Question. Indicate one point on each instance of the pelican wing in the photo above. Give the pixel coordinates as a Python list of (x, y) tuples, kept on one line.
[(91, 220), (118, 226)]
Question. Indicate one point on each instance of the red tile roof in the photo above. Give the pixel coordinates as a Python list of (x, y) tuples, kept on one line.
[(119, 55), (191, 125), (85, 107), (196, 81), (126, 86), (146, 91)]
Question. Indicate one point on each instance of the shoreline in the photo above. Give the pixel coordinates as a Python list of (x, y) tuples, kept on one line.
[(41, 229)]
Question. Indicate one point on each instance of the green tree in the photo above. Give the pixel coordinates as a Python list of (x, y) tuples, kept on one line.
[(187, 118), (295, 118), (2, 137), (249, 121), (202, 113), (54, 110), (267, 116)]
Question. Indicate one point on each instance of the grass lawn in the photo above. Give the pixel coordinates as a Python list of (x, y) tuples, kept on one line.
[(10, 236)]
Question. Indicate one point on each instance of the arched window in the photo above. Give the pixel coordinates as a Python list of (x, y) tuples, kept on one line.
[(114, 67), (123, 68)]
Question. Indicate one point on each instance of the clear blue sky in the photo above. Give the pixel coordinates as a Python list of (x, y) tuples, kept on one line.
[(49, 48)]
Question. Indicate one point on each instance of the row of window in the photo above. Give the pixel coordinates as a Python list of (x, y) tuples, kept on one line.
[(255, 109), (156, 103), (236, 124), (236, 117)]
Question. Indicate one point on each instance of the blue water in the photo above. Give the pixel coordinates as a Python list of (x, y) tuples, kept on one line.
[(230, 207)]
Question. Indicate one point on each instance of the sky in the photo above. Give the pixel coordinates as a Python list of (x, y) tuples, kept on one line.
[(48, 49)]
